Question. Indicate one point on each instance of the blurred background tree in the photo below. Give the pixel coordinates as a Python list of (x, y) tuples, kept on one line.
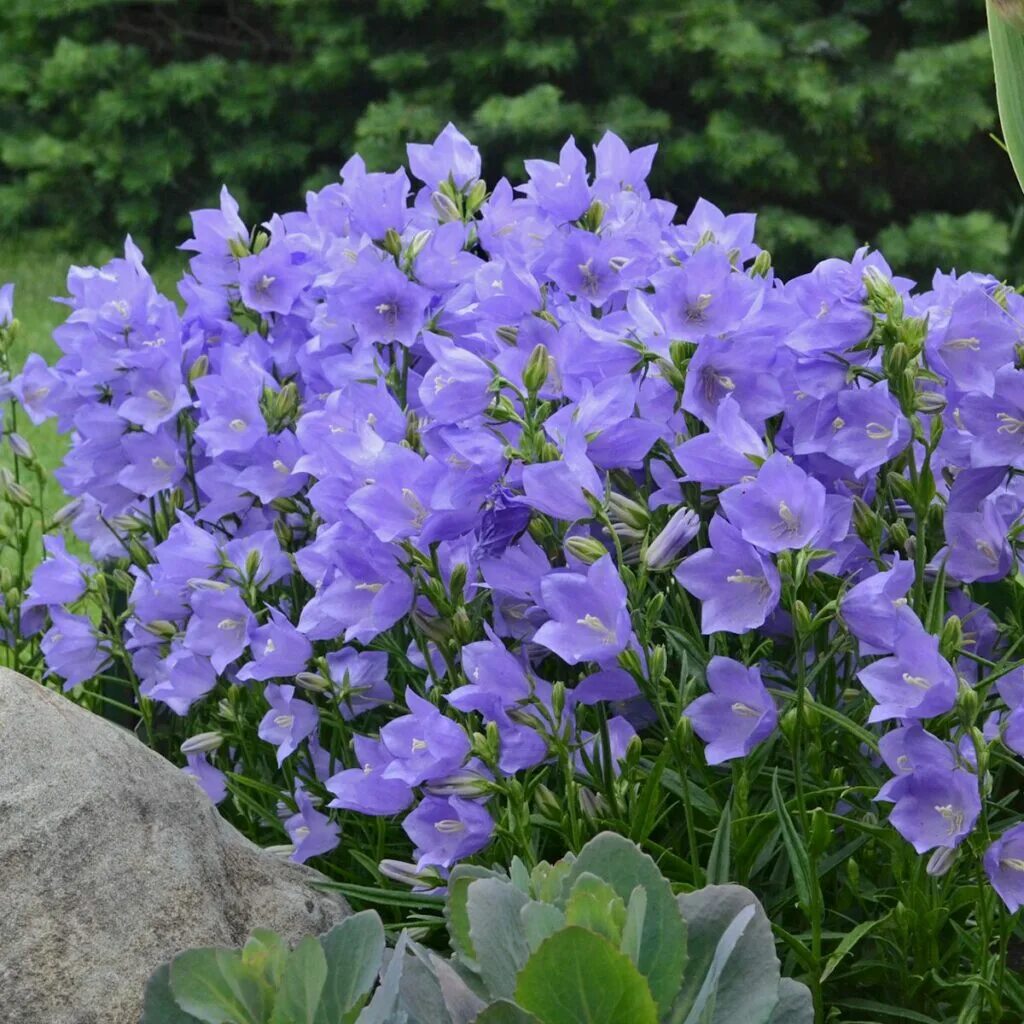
[(839, 121)]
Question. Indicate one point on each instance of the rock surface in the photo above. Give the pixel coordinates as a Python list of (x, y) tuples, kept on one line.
[(112, 861)]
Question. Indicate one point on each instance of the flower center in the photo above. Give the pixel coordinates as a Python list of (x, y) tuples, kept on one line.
[(919, 681), (449, 826), (1010, 424), (745, 710), (593, 622), (284, 721), (877, 432), (954, 818)]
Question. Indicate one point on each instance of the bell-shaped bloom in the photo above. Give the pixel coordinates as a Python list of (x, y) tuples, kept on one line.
[(270, 282), (424, 744), (868, 430), (72, 650), (996, 423), (180, 679), (219, 627), (560, 488), (915, 682), (211, 780), (979, 548), (911, 749), (364, 789), (737, 586), (933, 807), (589, 614), (736, 715), (312, 832), (876, 608), (781, 508), (288, 722), (726, 454), (1004, 865), (278, 649), (59, 580), (450, 155), (361, 678), (446, 829), (456, 387)]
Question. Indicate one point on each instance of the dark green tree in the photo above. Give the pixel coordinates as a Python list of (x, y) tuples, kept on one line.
[(839, 121)]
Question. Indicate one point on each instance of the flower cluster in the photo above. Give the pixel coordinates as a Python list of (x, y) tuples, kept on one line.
[(443, 484)]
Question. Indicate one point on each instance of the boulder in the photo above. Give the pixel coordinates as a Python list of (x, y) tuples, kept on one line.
[(112, 861)]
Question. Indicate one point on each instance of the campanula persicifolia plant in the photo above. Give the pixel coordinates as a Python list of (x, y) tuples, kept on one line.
[(449, 521)]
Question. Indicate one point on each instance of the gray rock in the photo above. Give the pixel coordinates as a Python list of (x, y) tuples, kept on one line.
[(112, 861)]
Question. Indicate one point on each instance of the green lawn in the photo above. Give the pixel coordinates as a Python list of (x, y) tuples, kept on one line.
[(39, 273)]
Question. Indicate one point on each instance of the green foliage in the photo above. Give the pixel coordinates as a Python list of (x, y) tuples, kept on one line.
[(596, 939), (852, 120)]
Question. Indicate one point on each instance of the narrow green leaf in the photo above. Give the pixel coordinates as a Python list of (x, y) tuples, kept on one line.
[(1008, 63), (799, 862), (719, 861), (848, 943), (577, 977)]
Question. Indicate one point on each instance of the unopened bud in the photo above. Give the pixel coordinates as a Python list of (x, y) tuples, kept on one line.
[(392, 242), (464, 782), (202, 743), (941, 861), (312, 682), (802, 619), (678, 532), (593, 805), (161, 627), (283, 850), (657, 662), (199, 368), (535, 372), (408, 874), (66, 512), (445, 209), (762, 264), (952, 638), (419, 240), (821, 832), (968, 702), (587, 549), (476, 196), (549, 805), (20, 447), (626, 510)]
